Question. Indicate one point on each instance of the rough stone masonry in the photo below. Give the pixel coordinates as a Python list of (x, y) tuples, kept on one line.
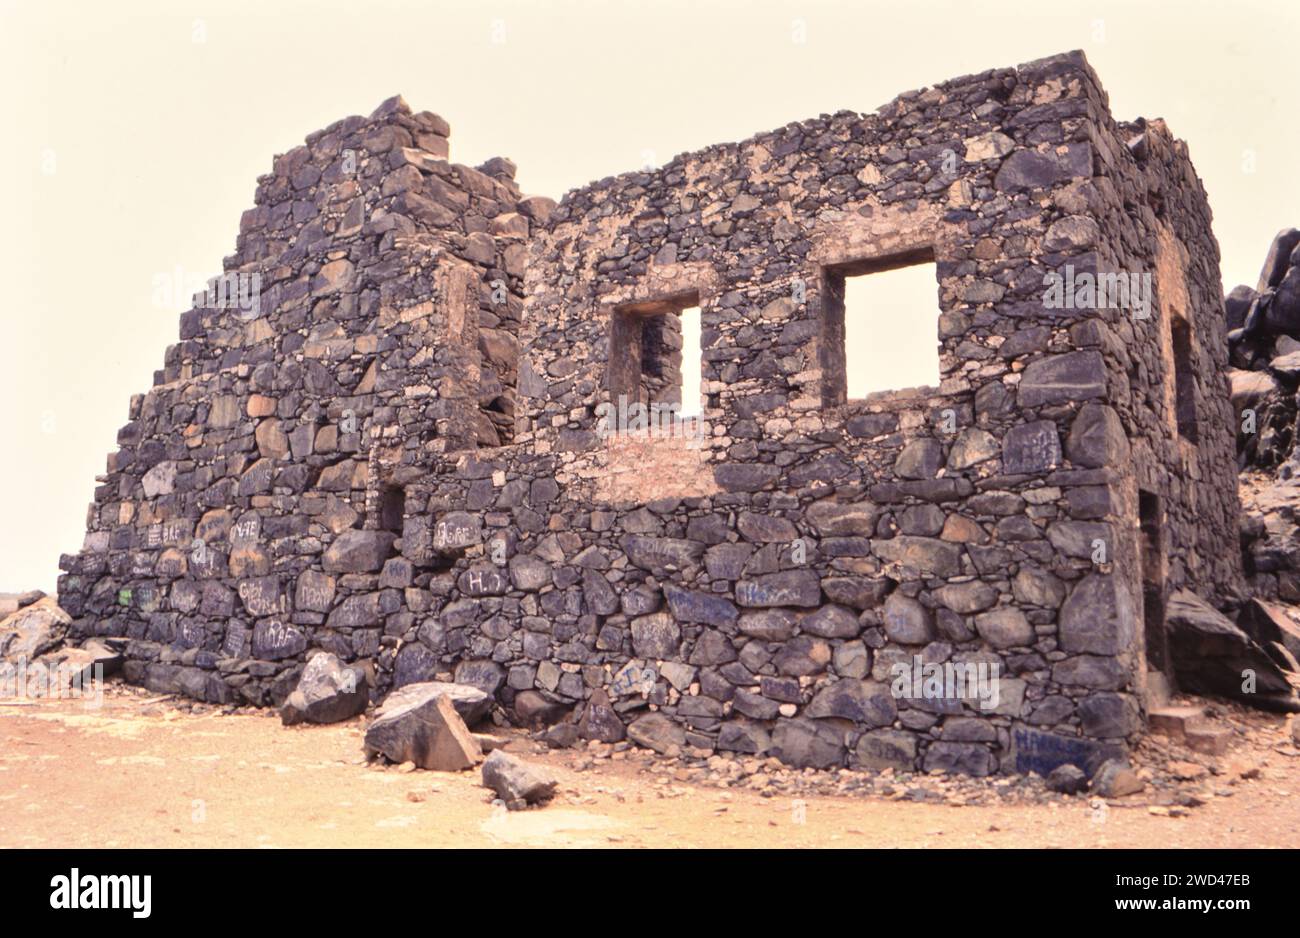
[(401, 456)]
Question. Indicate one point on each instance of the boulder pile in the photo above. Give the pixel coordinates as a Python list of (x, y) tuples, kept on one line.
[(1213, 656), (1264, 345), (36, 660)]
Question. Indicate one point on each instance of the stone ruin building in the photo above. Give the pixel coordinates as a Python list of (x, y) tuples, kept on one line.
[(401, 455)]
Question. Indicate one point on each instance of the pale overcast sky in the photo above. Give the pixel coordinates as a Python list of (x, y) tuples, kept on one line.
[(136, 130)]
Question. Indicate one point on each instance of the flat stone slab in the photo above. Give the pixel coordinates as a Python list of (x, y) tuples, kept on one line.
[(1174, 721), (471, 703)]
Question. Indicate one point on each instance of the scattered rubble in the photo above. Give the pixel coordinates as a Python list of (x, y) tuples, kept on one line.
[(1162, 762)]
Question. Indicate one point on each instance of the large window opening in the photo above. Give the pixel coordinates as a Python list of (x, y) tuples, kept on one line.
[(655, 356), (1184, 377), (880, 328)]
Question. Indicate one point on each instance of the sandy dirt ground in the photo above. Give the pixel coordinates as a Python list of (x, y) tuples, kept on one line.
[(141, 773)]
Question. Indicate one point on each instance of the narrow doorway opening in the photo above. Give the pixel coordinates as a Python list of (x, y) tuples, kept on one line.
[(1151, 548)]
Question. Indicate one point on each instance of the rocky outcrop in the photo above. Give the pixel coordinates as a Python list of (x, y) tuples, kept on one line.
[(33, 630), (1211, 655), (1265, 355), (37, 661), (1273, 628), (12, 602), (1265, 344)]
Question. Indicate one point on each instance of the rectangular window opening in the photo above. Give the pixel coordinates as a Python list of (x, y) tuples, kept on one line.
[(655, 355), (1184, 377), (880, 329), (392, 509), (692, 363)]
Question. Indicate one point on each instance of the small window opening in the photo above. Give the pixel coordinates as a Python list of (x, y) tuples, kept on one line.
[(1184, 378), (392, 509), (655, 355), (880, 329)]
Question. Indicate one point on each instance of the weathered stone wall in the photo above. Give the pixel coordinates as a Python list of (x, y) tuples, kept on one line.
[(753, 588), (1153, 217), (993, 519), (230, 529)]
